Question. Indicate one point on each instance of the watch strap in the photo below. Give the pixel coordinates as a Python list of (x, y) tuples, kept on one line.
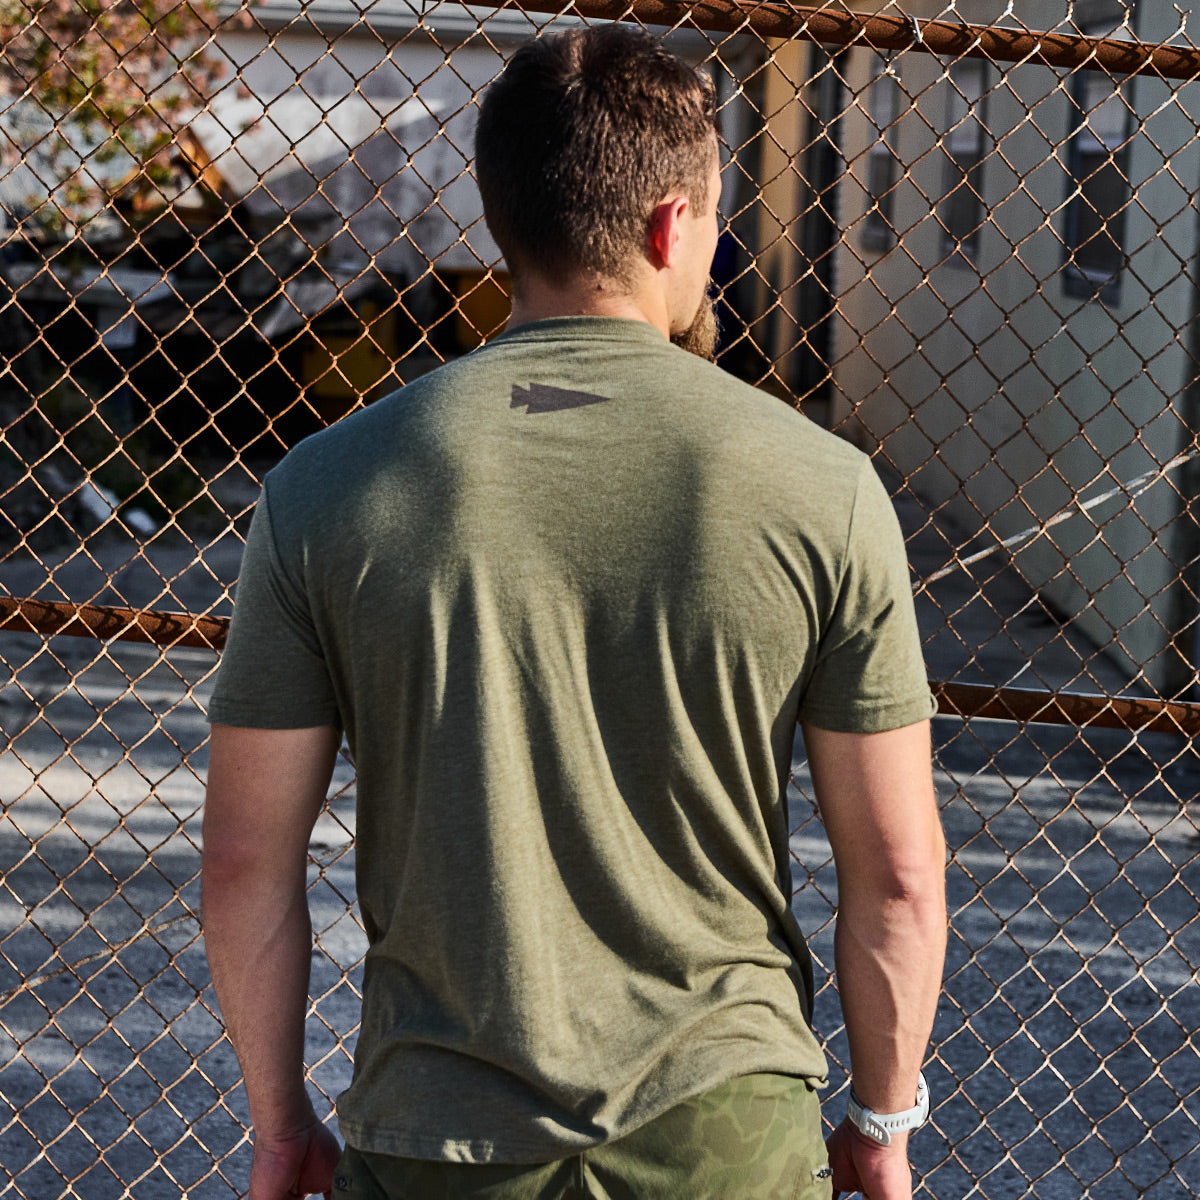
[(881, 1127)]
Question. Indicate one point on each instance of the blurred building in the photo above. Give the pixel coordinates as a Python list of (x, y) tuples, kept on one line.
[(1012, 304)]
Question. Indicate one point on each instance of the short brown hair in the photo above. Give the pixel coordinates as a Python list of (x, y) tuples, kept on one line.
[(579, 138)]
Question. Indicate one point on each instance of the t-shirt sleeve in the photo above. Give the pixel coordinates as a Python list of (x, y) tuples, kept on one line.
[(869, 674), (273, 674)]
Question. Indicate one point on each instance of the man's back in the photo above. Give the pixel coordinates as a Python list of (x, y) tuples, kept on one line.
[(568, 596)]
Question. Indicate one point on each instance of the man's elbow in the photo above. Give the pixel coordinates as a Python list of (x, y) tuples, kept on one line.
[(244, 852), (914, 877), (230, 850), (226, 862), (921, 893), (923, 867)]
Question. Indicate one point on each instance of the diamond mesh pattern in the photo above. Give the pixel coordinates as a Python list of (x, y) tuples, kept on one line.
[(965, 244)]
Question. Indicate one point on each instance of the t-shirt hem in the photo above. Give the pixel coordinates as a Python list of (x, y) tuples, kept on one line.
[(449, 1149), (255, 717), (401, 1143), (879, 718)]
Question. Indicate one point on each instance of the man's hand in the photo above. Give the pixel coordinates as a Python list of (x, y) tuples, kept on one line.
[(861, 1165), (299, 1164)]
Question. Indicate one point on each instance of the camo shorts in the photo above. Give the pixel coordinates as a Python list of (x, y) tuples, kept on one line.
[(757, 1137)]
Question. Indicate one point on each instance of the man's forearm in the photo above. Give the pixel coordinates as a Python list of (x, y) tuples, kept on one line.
[(889, 952), (259, 952), (878, 803), (265, 789)]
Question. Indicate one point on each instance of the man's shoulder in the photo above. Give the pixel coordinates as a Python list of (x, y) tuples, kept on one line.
[(366, 434), (742, 410)]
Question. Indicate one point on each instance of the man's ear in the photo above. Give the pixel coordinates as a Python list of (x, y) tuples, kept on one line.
[(663, 237)]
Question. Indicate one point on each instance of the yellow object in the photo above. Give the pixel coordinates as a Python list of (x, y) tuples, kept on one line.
[(483, 300), (343, 363)]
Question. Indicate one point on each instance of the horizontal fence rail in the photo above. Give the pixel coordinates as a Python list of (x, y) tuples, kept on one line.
[(885, 31), (172, 630)]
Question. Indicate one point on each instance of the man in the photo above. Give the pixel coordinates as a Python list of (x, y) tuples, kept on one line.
[(567, 598)]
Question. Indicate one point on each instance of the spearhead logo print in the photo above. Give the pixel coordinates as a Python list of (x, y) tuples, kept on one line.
[(540, 398)]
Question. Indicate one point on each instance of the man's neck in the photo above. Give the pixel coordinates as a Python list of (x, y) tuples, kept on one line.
[(537, 299)]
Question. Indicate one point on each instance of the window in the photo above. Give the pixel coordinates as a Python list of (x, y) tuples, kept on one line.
[(1097, 160), (962, 211), (883, 164)]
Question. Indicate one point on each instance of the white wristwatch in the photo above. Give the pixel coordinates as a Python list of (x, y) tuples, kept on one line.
[(879, 1127)]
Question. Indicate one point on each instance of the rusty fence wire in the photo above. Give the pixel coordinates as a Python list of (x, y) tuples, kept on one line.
[(964, 242)]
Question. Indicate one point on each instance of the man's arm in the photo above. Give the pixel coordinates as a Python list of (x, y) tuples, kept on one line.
[(877, 801), (265, 791)]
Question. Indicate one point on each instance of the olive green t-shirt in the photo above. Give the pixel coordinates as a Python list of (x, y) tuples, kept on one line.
[(567, 597)]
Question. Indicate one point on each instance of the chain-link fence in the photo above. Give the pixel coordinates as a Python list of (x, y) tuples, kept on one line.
[(967, 245)]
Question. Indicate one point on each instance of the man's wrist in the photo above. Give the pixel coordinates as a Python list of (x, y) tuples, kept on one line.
[(881, 1128), (283, 1114)]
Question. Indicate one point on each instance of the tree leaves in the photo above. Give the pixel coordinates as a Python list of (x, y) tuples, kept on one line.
[(85, 83)]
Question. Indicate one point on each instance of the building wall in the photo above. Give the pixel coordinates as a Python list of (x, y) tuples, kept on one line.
[(997, 392), (409, 178)]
